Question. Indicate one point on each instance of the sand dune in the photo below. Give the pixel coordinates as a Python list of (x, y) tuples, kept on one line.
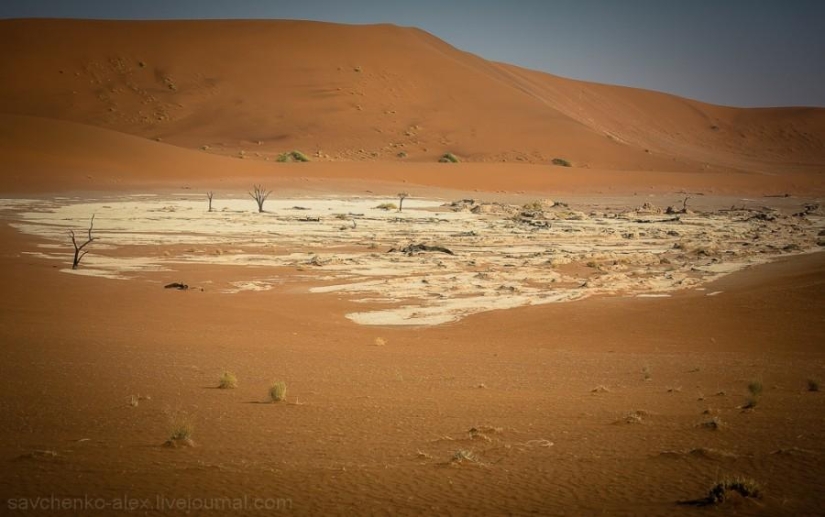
[(46, 155), (417, 384), (259, 88)]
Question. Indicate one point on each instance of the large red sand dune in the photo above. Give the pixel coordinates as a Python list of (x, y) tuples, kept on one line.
[(337, 92), (47, 155)]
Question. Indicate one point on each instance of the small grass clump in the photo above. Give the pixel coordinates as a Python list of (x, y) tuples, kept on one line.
[(449, 158), (813, 384), (719, 491), (755, 388), (277, 392), (134, 400), (746, 487), (646, 373), (181, 431), (387, 206), (561, 162), (462, 455), (228, 381), (292, 156)]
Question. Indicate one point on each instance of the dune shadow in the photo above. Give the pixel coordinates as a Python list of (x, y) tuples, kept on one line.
[(703, 501)]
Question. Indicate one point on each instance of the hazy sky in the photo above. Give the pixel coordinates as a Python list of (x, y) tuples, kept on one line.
[(734, 52)]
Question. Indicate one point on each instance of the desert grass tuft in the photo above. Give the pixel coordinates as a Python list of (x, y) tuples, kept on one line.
[(277, 392), (462, 455), (449, 158), (134, 400), (755, 388), (292, 156), (813, 384), (387, 206), (560, 162), (718, 492), (228, 381), (746, 487), (181, 430), (646, 373)]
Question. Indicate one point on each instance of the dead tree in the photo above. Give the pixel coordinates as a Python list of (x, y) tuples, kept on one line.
[(670, 210), (401, 197), (79, 252), (209, 197), (259, 194), (412, 249)]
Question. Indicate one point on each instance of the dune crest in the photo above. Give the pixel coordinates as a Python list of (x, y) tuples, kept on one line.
[(256, 89)]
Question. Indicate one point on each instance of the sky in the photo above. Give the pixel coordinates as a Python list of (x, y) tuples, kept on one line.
[(746, 53)]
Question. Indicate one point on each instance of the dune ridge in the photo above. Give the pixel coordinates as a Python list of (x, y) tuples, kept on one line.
[(255, 89)]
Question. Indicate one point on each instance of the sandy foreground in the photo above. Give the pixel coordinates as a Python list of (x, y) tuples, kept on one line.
[(571, 357)]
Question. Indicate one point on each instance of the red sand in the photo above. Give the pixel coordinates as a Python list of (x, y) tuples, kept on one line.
[(372, 429)]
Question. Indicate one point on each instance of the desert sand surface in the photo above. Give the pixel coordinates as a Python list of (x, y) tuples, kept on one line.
[(255, 89), (611, 338)]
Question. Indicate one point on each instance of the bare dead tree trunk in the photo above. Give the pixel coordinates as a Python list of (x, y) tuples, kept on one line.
[(401, 197), (209, 197), (259, 194), (684, 204), (79, 252)]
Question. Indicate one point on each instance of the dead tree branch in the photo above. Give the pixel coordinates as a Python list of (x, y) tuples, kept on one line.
[(401, 197), (79, 252), (412, 249), (259, 194)]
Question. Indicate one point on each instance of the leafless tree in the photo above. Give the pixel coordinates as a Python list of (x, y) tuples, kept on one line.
[(209, 197), (684, 209), (259, 194), (401, 197), (79, 252)]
